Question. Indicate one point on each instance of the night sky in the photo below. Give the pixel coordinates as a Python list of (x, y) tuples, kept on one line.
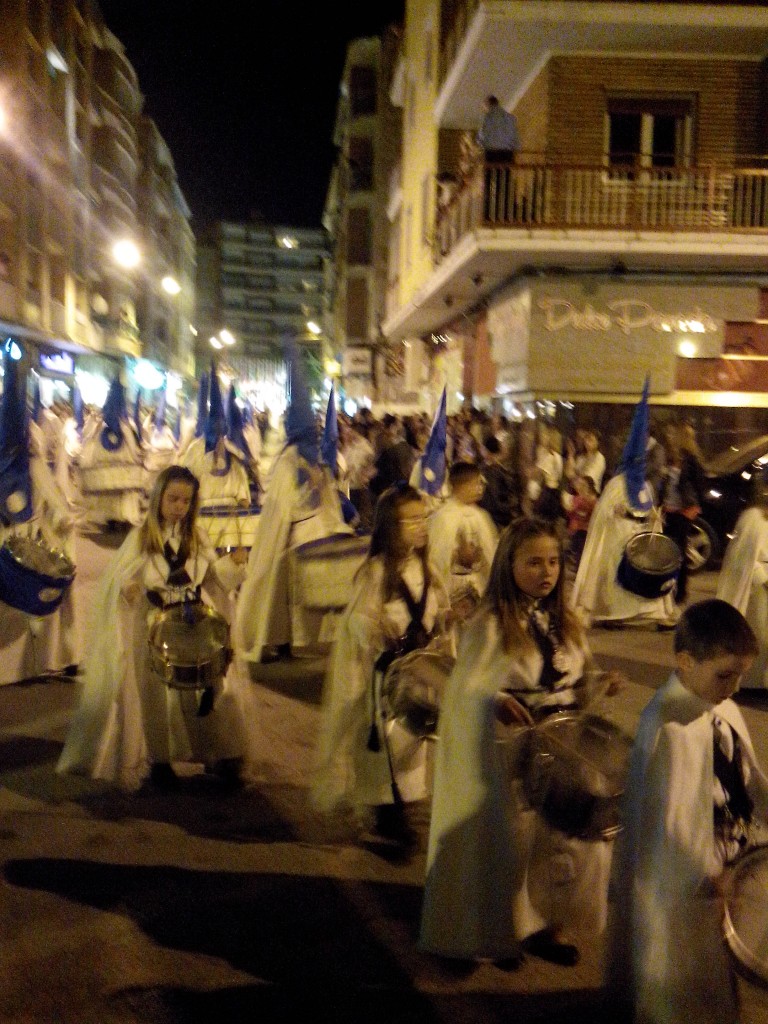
[(247, 110)]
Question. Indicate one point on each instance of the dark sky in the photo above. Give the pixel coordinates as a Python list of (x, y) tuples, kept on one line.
[(247, 110)]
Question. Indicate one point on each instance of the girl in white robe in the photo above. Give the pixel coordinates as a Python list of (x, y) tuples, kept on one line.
[(498, 876), (743, 582), (128, 725), (597, 593), (363, 760)]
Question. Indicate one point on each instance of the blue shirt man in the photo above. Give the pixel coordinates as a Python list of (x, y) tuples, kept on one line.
[(498, 133)]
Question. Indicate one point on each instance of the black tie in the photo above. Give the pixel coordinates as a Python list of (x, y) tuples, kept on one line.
[(549, 674)]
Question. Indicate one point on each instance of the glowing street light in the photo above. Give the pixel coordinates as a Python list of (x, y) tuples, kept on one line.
[(215, 343), (227, 337), (126, 253), (314, 328), (170, 285)]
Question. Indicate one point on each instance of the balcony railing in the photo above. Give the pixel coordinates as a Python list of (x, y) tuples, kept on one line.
[(535, 193)]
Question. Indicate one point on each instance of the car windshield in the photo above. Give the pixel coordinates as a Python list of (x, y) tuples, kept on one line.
[(737, 456)]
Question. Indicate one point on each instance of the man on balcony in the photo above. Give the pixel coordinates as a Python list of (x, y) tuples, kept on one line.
[(500, 140)]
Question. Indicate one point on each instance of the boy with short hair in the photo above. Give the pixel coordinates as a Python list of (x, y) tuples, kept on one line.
[(463, 539), (693, 799)]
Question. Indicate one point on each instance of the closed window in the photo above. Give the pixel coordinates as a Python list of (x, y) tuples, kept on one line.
[(649, 131)]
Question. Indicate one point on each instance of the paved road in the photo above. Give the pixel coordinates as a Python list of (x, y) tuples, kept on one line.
[(198, 906)]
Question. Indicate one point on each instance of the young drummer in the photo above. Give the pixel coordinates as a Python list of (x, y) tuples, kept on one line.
[(693, 798)]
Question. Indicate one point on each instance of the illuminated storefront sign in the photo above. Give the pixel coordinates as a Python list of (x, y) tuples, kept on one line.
[(625, 315), (57, 362)]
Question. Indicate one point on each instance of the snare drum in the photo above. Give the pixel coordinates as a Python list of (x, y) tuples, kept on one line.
[(33, 576), (229, 526), (412, 690), (575, 771), (189, 646), (324, 570), (746, 913), (650, 565)]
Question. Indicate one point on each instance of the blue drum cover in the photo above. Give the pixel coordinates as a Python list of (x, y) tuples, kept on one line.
[(29, 590)]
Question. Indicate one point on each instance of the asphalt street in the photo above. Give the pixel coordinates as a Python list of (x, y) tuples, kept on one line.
[(202, 905)]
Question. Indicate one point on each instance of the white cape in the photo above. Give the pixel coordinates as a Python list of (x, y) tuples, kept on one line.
[(743, 582), (596, 590)]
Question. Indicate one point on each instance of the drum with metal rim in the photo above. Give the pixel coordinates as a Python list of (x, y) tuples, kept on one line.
[(650, 565), (412, 690), (323, 570), (189, 646), (575, 771), (745, 920), (34, 577)]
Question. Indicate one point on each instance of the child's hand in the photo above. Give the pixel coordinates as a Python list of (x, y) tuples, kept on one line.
[(614, 682), (239, 556), (131, 590)]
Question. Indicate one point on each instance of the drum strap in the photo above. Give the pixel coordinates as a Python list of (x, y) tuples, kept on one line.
[(550, 676), (729, 773)]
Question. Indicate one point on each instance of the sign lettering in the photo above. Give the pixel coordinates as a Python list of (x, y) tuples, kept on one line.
[(626, 315)]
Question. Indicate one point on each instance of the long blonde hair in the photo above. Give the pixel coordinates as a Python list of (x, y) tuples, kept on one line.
[(151, 530), (508, 603)]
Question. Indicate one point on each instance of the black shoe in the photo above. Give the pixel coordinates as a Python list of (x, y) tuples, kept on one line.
[(163, 776), (545, 947), (392, 826), (227, 771), (509, 963), (70, 671)]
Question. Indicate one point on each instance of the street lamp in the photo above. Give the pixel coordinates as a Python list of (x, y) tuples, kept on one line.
[(226, 336), (126, 253), (314, 328), (170, 285)]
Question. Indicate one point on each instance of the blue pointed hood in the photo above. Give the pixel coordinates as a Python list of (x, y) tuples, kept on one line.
[(235, 423), (633, 459), (202, 405), (432, 471), (15, 481), (216, 421), (300, 425), (162, 401), (78, 409), (113, 414), (137, 418), (329, 446)]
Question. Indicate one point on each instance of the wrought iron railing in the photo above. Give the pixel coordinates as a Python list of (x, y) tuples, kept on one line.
[(535, 193)]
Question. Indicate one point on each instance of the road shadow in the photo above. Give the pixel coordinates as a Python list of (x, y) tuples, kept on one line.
[(319, 948)]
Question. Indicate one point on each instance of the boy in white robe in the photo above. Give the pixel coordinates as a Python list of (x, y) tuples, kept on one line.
[(463, 539), (693, 798)]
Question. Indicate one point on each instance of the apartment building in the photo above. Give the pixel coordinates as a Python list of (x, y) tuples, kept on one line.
[(81, 170), (367, 140), (629, 236), (257, 282)]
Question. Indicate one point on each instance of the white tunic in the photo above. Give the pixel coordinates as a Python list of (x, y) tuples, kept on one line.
[(35, 645), (743, 582), (495, 871), (596, 593), (126, 718), (296, 509), (666, 955), (346, 771)]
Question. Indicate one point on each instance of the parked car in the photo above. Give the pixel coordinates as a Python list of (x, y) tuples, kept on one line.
[(731, 478)]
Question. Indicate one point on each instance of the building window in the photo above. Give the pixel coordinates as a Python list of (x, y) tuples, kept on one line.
[(360, 164), (649, 131), (357, 308), (362, 91), (358, 236)]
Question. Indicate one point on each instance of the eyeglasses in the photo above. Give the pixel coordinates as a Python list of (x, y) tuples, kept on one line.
[(413, 521)]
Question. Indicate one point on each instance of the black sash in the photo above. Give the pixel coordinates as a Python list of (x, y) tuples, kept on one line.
[(729, 773), (549, 674)]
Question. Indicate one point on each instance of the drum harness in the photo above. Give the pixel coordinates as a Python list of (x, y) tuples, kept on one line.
[(415, 637), (182, 593)]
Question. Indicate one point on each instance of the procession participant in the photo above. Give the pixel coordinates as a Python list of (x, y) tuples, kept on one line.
[(499, 878), (363, 762), (236, 432), (462, 541), (160, 443), (32, 505), (695, 799), (335, 461), (214, 459), (300, 504), (128, 725), (110, 468), (624, 509), (743, 580)]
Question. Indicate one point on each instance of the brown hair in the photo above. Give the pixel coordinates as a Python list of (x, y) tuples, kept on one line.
[(150, 531), (386, 537), (506, 601), (713, 628)]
